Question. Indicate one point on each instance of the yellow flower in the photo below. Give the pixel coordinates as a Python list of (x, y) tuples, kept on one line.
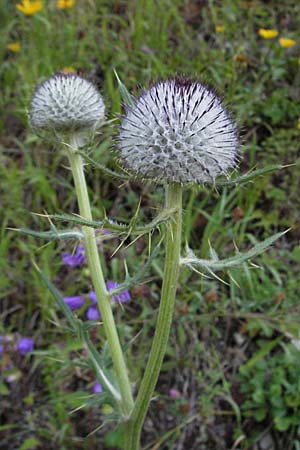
[(30, 7), (64, 4), (219, 28), (68, 69), (267, 34), (287, 43), (14, 47)]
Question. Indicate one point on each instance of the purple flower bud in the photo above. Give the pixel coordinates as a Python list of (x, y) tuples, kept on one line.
[(75, 259), (174, 393), (25, 345), (122, 297), (92, 313), (74, 302), (93, 297), (97, 388)]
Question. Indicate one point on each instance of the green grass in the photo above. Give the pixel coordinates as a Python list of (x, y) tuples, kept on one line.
[(218, 326)]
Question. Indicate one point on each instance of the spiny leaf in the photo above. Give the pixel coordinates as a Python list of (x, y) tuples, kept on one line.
[(215, 264), (131, 281), (51, 235), (105, 223), (104, 377), (109, 224), (251, 175), (104, 170)]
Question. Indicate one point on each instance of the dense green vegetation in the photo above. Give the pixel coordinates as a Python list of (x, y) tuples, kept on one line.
[(233, 356)]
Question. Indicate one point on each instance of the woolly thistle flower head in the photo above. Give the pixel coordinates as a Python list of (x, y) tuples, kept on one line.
[(178, 131), (66, 103)]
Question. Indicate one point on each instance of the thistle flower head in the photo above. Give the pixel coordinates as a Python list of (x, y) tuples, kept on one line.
[(178, 131), (66, 103)]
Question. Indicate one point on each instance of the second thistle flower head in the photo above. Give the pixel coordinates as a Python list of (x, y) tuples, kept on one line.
[(178, 131), (66, 103)]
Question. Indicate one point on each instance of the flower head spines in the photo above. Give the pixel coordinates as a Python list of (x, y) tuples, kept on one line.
[(66, 102), (178, 131)]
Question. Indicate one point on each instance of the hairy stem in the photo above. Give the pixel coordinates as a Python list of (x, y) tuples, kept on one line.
[(103, 299), (164, 320)]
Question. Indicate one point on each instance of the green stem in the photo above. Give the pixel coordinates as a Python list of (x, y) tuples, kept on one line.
[(164, 320), (103, 298)]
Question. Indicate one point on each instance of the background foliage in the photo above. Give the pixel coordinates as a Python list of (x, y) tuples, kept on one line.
[(234, 351)]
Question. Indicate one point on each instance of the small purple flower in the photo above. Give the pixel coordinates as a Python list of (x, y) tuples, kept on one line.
[(174, 393), (92, 313), (74, 302), (122, 297), (75, 259), (25, 345), (105, 231), (1, 349), (97, 388), (93, 297)]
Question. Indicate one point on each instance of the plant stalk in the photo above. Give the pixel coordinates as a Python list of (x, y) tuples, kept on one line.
[(164, 320), (103, 299)]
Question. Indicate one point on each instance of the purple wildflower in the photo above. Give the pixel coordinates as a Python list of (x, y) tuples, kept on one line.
[(25, 345), (105, 231), (92, 313), (121, 297), (1, 349), (174, 393), (97, 388), (93, 297), (75, 259), (74, 302)]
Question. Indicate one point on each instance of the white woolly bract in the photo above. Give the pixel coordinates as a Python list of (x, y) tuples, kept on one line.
[(178, 131), (66, 102)]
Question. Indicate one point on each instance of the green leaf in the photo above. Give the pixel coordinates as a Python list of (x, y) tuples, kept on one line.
[(212, 265), (260, 414), (59, 299), (250, 176), (260, 354), (51, 235), (104, 376), (3, 389), (126, 96), (282, 423), (29, 443), (131, 228), (115, 439)]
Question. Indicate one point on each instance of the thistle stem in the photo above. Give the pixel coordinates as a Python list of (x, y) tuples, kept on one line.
[(103, 299), (164, 320)]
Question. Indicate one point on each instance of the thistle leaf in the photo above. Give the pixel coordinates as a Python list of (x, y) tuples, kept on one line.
[(104, 377), (131, 228), (212, 265), (250, 175), (51, 235), (103, 169)]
